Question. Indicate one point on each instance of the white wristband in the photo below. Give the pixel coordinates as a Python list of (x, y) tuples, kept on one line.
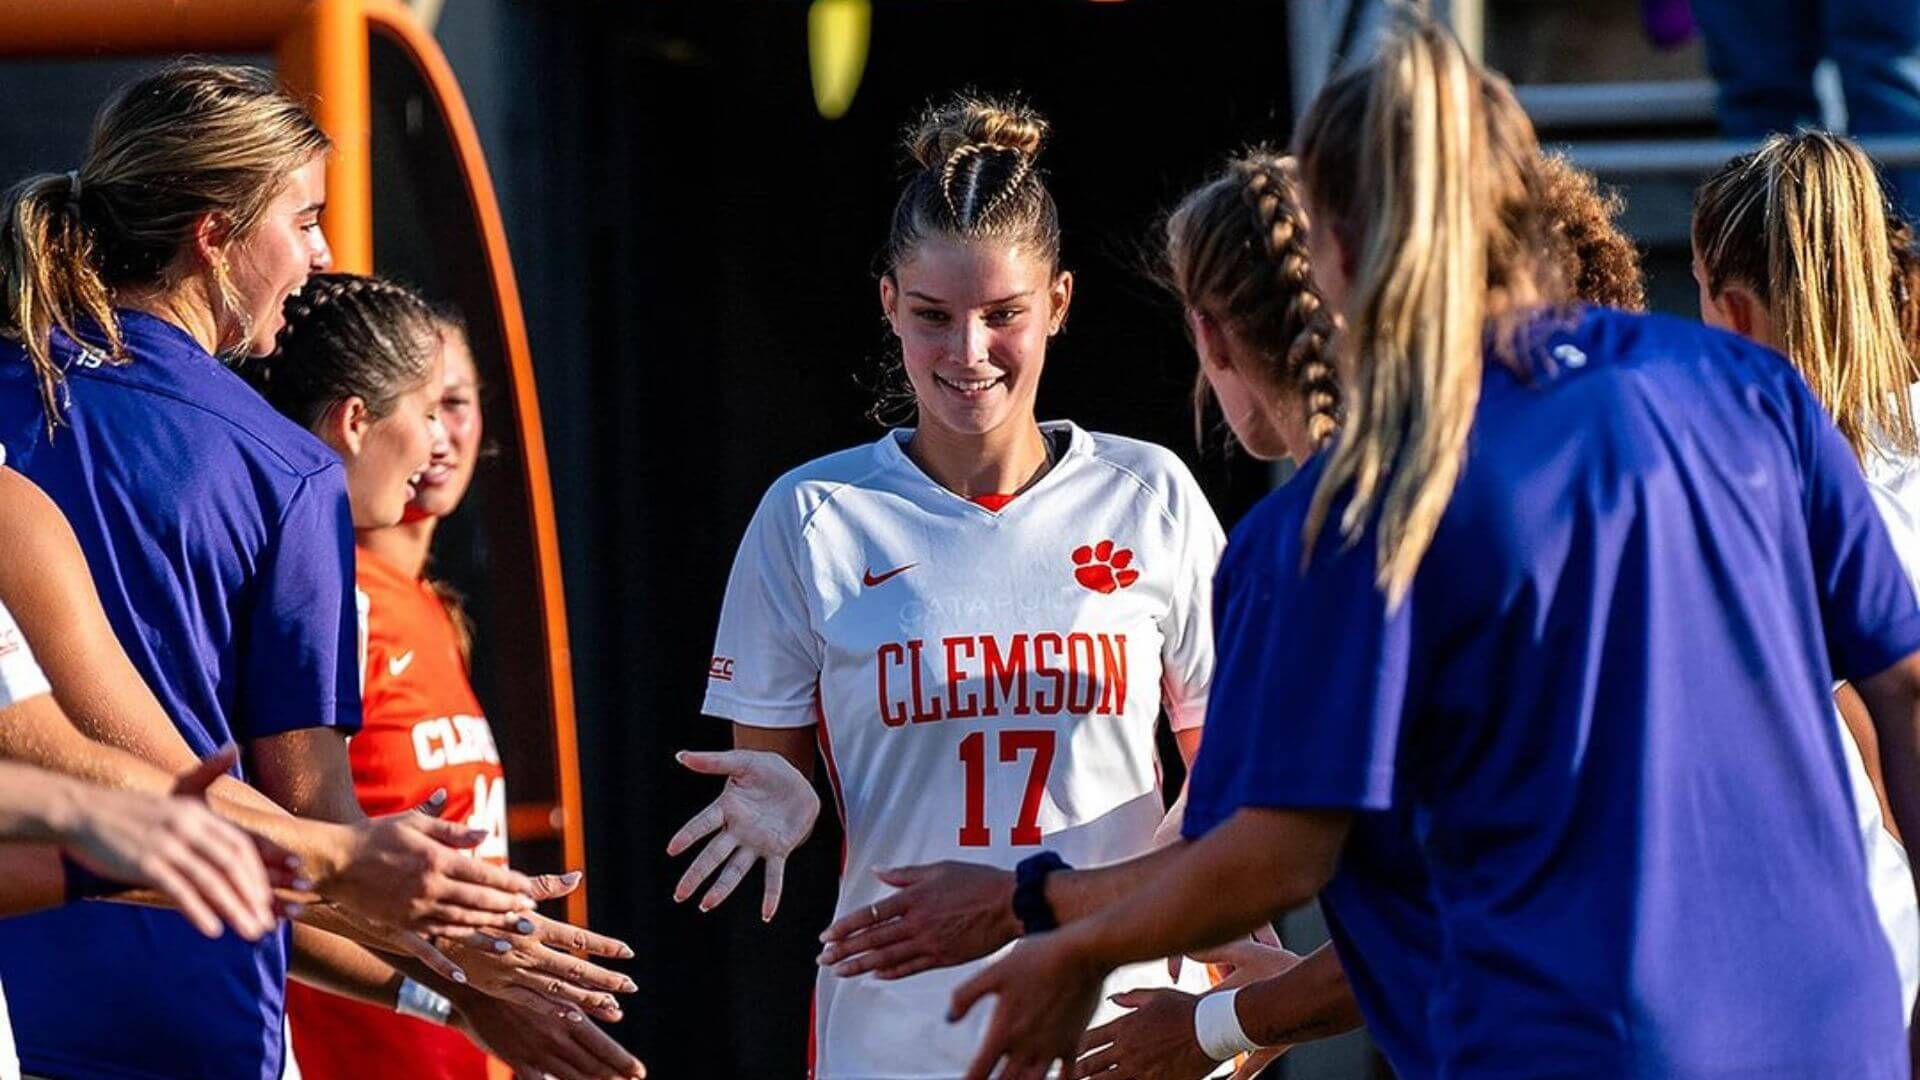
[(1216, 1024), (422, 1003)]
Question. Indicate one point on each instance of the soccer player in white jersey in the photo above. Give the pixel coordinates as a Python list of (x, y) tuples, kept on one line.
[(1238, 260), (977, 620)]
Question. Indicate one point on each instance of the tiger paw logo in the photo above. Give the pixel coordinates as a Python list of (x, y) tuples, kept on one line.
[(1103, 567)]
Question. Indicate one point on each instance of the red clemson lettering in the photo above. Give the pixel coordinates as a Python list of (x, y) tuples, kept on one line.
[(1079, 674)]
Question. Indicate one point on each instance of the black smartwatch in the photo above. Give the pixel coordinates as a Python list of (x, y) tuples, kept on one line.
[(1030, 892)]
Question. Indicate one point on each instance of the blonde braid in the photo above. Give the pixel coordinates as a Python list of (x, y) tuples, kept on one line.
[(1281, 220)]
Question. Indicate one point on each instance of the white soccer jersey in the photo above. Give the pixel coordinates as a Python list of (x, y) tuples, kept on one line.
[(985, 684), (1894, 481)]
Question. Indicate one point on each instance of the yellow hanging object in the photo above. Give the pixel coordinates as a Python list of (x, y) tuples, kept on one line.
[(837, 36)]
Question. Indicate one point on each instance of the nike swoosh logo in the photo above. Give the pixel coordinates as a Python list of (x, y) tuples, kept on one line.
[(400, 663), (870, 580)]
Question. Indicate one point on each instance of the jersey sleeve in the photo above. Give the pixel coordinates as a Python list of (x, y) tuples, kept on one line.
[(765, 670), (20, 675), (1313, 676), (1187, 649), (303, 639), (1867, 603)]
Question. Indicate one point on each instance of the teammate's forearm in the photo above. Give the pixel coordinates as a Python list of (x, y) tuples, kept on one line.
[(1246, 872), (1077, 894), (1310, 1000), (334, 964), (48, 739), (37, 806), (308, 772), (1893, 700), (40, 734), (31, 878), (1859, 723)]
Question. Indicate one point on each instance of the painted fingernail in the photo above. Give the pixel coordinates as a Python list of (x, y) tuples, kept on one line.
[(524, 926), (502, 946), (291, 862), (301, 884), (459, 976), (523, 899), (570, 877), (294, 911)]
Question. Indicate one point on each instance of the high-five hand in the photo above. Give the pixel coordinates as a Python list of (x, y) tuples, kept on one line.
[(536, 966), (1046, 991), (409, 870), (944, 914), (211, 870), (765, 812)]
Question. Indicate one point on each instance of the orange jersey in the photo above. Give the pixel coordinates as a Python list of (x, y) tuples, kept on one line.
[(422, 730)]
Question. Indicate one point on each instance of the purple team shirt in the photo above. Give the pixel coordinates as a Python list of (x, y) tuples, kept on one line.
[(1600, 721), (220, 541)]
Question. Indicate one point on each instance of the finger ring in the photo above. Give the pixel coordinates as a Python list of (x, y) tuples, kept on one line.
[(873, 912)]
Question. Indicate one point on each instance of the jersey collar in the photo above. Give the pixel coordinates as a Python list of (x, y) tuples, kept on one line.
[(892, 453)]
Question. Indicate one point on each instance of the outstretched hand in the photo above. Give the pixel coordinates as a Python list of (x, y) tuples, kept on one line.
[(765, 812), (1046, 992), (538, 1045), (410, 870), (1156, 1040), (211, 870), (1248, 960), (945, 913), (536, 965)]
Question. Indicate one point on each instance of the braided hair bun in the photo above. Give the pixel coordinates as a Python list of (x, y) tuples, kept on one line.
[(975, 180), (971, 124)]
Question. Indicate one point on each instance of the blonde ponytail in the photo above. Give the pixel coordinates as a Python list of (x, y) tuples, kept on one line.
[(48, 277), (1399, 157)]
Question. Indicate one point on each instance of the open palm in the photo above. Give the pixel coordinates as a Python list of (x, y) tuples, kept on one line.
[(765, 812)]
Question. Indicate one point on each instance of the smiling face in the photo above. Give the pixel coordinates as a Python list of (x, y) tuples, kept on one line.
[(385, 455), (973, 320), (448, 474), (272, 262)]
